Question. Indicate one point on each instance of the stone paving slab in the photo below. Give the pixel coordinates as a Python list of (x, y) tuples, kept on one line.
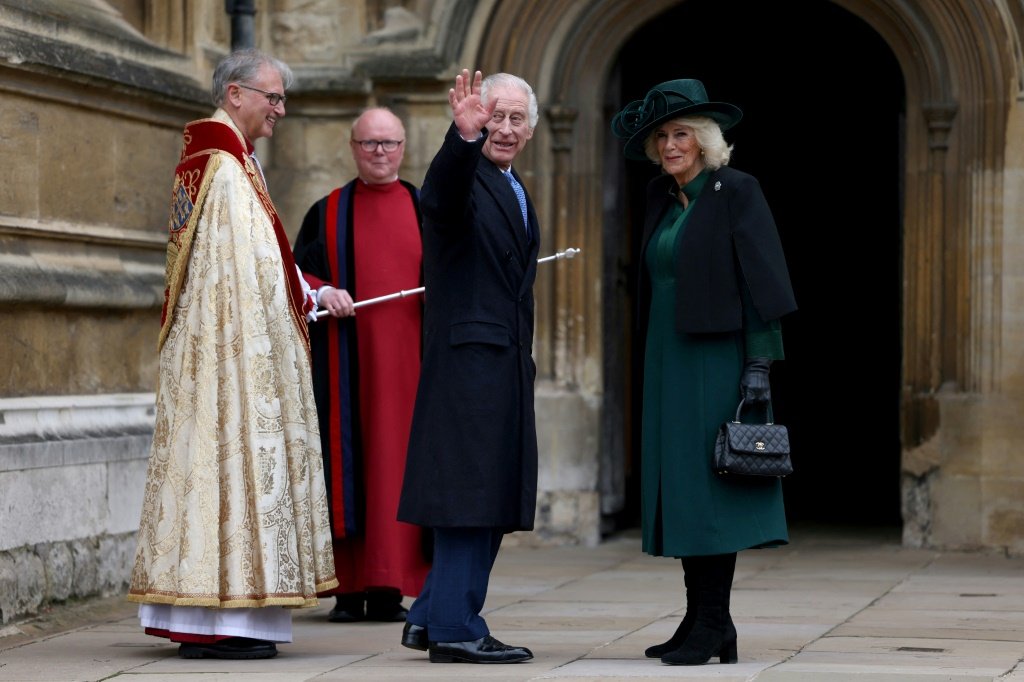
[(830, 607)]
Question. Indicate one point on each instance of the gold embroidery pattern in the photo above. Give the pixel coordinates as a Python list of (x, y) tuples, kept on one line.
[(187, 140), (179, 242), (235, 510), (261, 189), (183, 196)]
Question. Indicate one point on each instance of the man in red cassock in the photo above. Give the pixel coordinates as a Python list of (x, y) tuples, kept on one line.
[(359, 242)]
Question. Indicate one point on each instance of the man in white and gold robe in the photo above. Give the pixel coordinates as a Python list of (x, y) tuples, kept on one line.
[(234, 519)]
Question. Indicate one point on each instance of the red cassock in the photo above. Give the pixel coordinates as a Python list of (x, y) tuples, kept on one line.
[(366, 239)]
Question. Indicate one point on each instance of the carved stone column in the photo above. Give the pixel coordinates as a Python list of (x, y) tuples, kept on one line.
[(951, 277), (568, 331), (928, 266)]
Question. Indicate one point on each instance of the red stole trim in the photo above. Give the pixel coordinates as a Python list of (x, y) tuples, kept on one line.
[(185, 637)]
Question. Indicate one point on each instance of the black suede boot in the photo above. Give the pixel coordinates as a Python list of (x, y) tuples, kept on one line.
[(679, 636), (713, 633), (728, 571)]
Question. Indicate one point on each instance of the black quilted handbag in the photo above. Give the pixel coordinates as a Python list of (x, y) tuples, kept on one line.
[(752, 449)]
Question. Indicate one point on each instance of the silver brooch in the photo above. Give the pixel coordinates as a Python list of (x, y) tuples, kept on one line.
[(718, 185)]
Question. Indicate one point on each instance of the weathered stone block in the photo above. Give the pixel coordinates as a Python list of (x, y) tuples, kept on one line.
[(425, 127), (956, 512), (1002, 513), (565, 517), (126, 482), (915, 507), (94, 178), (58, 565), (71, 352), (1013, 325), (19, 174), (962, 434), (79, 172), (32, 577), (114, 559), (567, 440), (84, 553), (22, 583), (53, 504), (317, 31), (321, 150), (142, 151), (1003, 454), (7, 587)]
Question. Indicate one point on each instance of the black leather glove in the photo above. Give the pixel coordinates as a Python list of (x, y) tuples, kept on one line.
[(754, 384)]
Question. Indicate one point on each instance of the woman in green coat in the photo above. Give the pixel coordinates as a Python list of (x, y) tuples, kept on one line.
[(714, 284)]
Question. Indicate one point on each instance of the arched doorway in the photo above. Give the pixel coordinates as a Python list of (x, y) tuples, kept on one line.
[(823, 134), (931, 199)]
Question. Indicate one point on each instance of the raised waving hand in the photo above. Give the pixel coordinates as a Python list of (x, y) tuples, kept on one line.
[(468, 112)]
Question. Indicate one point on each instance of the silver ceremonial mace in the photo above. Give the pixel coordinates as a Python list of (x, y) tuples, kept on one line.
[(568, 253)]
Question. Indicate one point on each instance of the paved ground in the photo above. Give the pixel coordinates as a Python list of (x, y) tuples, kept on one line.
[(835, 605)]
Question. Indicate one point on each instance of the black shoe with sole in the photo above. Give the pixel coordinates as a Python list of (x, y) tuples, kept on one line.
[(483, 650), (385, 606), (415, 637), (348, 608), (232, 647)]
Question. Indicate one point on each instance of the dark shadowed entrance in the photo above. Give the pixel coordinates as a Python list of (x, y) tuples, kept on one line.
[(823, 99)]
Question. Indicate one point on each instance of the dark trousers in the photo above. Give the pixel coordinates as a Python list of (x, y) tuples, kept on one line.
[(453, 595)]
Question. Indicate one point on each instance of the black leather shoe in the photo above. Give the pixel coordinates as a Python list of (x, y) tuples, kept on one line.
[(415, 637), (385, 606), (347, 609), (393, 613), (483, 650), (232, 647)]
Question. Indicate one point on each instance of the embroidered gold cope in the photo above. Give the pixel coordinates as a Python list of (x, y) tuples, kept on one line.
[(235, 510)]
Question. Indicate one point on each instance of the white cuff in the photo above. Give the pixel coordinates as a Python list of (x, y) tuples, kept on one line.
[(320, 292)]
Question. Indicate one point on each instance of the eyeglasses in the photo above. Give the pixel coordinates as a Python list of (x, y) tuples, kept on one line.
[(371, 145), (272, 97)]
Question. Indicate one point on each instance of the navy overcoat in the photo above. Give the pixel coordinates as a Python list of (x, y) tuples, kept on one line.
[(472, 459)]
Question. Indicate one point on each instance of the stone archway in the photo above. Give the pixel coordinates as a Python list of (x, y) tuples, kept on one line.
[(960, 68), (959, 65)]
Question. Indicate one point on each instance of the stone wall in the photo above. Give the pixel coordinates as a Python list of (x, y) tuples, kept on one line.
[(90, 126), (72, 473)]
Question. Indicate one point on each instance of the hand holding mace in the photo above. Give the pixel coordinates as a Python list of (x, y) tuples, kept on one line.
[(568, 253)]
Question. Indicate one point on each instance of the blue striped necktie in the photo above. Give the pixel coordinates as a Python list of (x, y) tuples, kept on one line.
[(520, 195)]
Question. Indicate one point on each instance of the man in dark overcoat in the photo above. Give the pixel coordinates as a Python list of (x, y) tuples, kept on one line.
[(471, 469)]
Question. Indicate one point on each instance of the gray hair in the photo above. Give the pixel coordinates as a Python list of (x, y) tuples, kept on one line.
[(713, 147), (510, 81), (242, 66)]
